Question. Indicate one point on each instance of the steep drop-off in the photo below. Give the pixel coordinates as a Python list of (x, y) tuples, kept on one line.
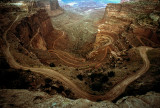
[(36, 31), (33, 32), (128, 25)]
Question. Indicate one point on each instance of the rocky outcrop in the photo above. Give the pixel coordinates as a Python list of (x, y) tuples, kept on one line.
[(31, 31), (54, 4), (34, 30), (137, 0), (53, 8), (33, 99), (128, 25)]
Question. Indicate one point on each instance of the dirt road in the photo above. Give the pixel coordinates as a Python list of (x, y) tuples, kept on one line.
[(112, 94), (79, 62)]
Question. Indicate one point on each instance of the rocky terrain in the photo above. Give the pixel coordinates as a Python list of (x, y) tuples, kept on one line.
[(24, 99), (52, 7), (129, 24), (80, 29), (33, 31), (37, 56)]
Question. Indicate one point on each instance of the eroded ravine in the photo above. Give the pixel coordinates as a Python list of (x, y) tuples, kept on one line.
[(112, 94), (79, 62)]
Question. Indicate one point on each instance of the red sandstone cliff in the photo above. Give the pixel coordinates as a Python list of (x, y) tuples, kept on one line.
[(31, 32), (128, 25), (36, 31)]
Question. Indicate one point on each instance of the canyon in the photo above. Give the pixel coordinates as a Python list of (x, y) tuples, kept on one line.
[(114, 57)]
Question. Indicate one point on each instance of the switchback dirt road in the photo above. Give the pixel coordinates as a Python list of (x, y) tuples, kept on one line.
[(111, 95)]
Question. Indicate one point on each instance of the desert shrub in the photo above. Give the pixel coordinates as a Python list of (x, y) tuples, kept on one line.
[(97, 86), (60, 89), (48, 80), (68, 92), (80, 77), (104, 79), (28, 71), (93, 76), (52, 65), (104, 69), (111, 74)]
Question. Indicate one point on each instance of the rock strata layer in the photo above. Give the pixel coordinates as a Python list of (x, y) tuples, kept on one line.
[(127, 25)]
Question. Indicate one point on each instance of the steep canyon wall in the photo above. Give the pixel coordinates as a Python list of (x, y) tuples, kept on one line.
[(129, 24), (36, 31)]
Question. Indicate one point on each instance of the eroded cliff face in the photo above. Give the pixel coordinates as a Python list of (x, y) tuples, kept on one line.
[(128, 25), (34, 30), (54, 4), (31, 31)]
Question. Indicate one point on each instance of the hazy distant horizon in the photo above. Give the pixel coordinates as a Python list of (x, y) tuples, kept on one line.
[(101, 1), (98, 3)]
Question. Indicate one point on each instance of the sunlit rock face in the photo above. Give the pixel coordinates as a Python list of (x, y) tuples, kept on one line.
[(33, 30), (137, 0), (128, 25), (54, 4)]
